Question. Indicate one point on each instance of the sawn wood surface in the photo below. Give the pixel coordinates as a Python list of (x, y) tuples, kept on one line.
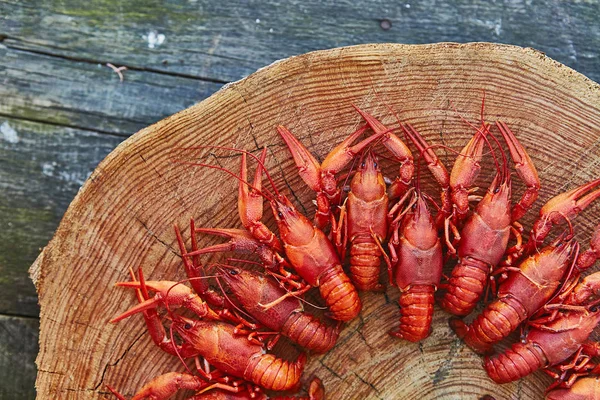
[(124, 213)]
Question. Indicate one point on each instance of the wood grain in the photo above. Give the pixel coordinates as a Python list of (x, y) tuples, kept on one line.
[(90, 96), (42, 167), (122, 217), (226, 41)]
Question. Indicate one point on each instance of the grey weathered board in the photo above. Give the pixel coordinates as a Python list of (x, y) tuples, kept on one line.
[(62, 110), (18, 345)]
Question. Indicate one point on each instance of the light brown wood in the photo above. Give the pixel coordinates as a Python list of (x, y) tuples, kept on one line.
[(123, 215)]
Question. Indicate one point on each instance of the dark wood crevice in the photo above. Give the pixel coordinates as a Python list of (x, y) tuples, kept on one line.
[(59, 125), (13, 44)]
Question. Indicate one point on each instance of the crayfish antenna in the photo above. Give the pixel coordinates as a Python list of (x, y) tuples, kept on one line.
[(141, 307), (117, 394)]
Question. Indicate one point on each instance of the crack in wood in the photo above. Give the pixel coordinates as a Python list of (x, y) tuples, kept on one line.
[(372, 386), (109, 365), (333, 372), (170, 183), (386, 297), (103, 62), (251, 131), (360, 333), (61, 125), (50, 372), (155, 236)]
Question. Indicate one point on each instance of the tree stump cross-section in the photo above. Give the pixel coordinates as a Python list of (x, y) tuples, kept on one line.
[(123, 216)]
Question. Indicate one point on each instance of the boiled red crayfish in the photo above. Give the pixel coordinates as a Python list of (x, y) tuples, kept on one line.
[(167, 385), (252, 291), (528, 287), (362, 221), (217, 342), (552, 339), (417, 259), (307, 249)]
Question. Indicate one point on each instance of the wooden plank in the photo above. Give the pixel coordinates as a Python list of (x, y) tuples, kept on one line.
[(226, 41), (18, 349), (41, 169), (89, 95)]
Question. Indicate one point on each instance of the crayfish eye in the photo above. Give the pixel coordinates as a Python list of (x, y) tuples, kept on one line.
[(187, 326), (280, 214), (375, 165), (233, 272), (363, 164)]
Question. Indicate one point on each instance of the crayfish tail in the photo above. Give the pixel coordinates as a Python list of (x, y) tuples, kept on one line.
[(465, 287), (339, 294), (496, 322), (416, 309), (519, 361), (316, 391), (365, 262), (310, 332), (459, 327), (273, 373)]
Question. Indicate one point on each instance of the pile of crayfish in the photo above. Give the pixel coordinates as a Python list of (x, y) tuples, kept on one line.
[(235, 313)]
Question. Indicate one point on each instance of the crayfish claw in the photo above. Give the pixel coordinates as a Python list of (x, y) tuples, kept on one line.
[(316, 390), (525, 169), (564, 206)]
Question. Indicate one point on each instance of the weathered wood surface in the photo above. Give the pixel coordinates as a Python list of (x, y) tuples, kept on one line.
[(90, 96), (123, 215), (41, 169), (52, 73), (225, 41), (18, 346)]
